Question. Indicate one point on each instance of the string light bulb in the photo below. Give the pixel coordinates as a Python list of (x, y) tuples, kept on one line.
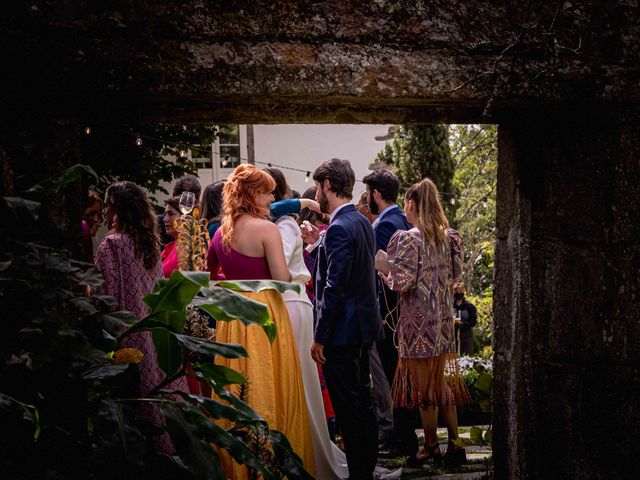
[(87, 130), (306, 179), (138, 140), (225, 160), (182, 152)]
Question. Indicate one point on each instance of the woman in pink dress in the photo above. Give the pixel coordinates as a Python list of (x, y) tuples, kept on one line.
[(248, 246), (170, 253), (129, 260)]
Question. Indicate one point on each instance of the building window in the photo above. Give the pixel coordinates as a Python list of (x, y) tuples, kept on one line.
[(226, 149), (229, 143)]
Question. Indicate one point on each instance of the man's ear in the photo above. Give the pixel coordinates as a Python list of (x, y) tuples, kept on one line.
[(326, 184)]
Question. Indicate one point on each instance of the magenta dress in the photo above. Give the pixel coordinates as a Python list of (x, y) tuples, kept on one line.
[(169, 259), (128, 281)]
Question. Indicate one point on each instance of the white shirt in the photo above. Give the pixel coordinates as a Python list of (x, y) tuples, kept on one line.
[(292, 243)]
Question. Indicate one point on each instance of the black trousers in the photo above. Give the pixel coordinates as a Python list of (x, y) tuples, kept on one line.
[(346, 372)]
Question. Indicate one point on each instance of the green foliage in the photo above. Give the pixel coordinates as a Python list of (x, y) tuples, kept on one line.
[(419, 151), (113, 152), (477, 374), (69, 410), (484, 307), (475, 154)]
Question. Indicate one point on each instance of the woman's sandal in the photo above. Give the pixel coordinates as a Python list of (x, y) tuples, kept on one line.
[(454, 456), (431, 452)]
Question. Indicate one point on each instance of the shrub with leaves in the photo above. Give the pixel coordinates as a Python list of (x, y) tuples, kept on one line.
[(69, 402)]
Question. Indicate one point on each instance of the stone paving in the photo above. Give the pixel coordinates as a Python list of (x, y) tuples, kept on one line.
[(478, 466)]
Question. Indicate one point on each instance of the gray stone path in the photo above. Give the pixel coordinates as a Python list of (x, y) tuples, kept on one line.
[(478, 464)]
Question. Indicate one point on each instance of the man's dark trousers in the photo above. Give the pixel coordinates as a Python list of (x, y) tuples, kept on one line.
[(346, 372)]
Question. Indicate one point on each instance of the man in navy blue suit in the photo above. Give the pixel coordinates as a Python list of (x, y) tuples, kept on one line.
[(382, 189), (347, 315)]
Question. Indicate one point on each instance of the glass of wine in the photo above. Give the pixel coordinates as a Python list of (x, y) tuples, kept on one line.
[(187, 202)]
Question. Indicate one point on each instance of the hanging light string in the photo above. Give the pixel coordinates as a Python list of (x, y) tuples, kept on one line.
[(207, 151), (182, 148)]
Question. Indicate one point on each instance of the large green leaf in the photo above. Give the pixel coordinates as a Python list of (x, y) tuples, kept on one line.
[(219, 410), (104, 371), (12, 407), (226, 305), (258, 285), (70, 175), (476, 435), (240, 452), (210, 348), (484, 382), (177, 293), (186, 426), (116, 323), (289, 463), (20, 207), (219, 374), (168, 350), (193, 433)]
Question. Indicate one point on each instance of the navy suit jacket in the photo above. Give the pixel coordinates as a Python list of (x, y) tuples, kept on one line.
[(346, 308), (392, 221)]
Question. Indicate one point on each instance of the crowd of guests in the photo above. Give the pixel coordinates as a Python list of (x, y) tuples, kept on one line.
[(374, 309)]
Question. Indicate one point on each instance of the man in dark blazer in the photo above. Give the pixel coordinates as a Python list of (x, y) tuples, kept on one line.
[(347, 315), (382, 190)]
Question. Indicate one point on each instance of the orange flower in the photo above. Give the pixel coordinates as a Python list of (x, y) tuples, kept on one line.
[(196, 213), (128, 355)]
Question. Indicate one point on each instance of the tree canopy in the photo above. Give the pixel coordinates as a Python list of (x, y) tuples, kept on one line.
[(419, 151)]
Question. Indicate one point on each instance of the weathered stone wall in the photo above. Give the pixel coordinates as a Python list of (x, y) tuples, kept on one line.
[(562, 79), (295, 60), (567, 334)]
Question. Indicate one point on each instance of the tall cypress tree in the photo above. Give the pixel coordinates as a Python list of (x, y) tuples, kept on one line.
[(421, 151)]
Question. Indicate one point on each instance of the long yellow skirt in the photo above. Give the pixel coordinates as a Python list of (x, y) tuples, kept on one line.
[(275, 389)]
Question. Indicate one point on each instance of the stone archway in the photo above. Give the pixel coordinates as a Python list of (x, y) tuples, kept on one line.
[(561, 80)]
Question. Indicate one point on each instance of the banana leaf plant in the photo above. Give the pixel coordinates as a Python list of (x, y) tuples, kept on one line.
[(167, 304), (69, 402)]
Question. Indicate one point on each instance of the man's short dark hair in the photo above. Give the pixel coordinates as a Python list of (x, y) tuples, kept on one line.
[(384, 182), (340, 176), (187, 183)]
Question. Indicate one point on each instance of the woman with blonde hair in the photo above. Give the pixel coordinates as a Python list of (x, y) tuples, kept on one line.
[(423, 263), (248, 246)]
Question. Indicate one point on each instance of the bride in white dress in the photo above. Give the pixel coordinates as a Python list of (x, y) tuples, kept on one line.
[(331, 463)]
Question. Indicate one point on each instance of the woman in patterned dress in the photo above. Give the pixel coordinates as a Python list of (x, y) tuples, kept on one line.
[(423, 264), (129, 259)]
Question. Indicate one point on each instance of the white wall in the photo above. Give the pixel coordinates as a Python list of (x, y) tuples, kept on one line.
[(307, 146), (304, 147)]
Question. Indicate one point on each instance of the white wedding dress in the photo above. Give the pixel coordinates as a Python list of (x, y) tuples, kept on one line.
[(331, 463)]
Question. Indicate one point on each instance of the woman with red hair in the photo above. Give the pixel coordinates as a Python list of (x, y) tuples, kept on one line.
[(248, 246)]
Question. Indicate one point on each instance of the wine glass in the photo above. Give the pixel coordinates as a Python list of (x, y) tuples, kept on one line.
[(187, 202)]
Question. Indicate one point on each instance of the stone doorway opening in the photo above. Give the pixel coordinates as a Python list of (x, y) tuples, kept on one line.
[(560, 78)]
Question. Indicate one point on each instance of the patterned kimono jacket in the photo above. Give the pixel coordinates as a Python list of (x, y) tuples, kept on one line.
[(424, 276)]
